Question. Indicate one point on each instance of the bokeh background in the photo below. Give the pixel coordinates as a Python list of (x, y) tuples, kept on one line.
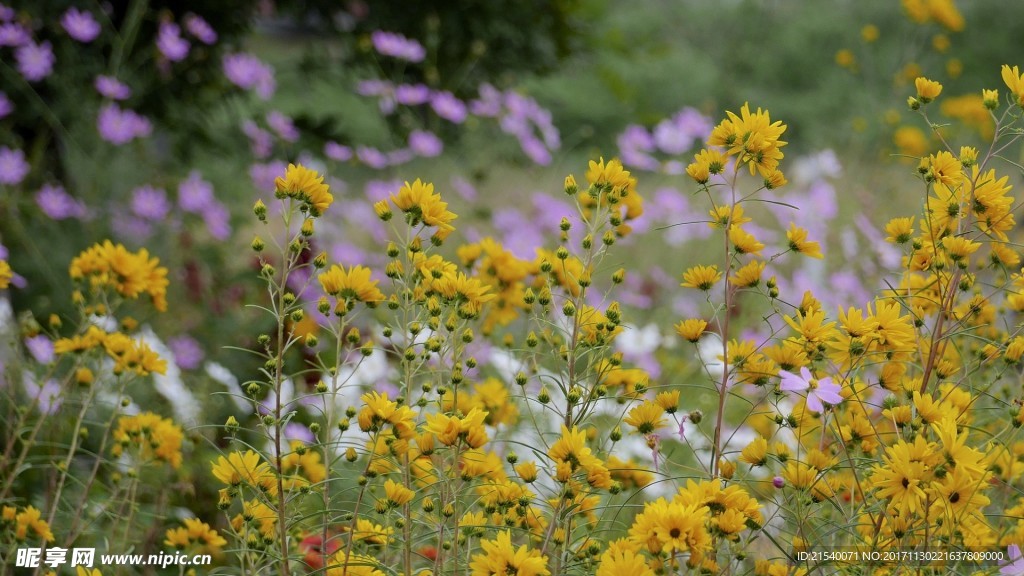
[(159, 124)]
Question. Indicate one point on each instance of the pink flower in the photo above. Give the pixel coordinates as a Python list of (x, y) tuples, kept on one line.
[(818, 390), (170, 43), (1016, 565), (80, 25)]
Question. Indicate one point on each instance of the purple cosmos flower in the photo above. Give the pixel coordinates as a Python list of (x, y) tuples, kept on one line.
[(383, 90), (110, 87), (35, 61), (58, 204), (170, 43), (200, 29), (400, 156), (13, 167), (818, 390), (377, 190), (41, 348), (150, 203), (671, 139), (14, 34), (490, 102), (261, 141), (283, 125), (48, 395), (263, 175), (80, 25), (6, 106), (300, 432), (6, 13), (250, 73), (194, 193), (412, 94), (337, 152), (1016, 565), (188, 354), (121, 126), (397, 46), (371, 157), (425, 144), (131, 227), (217, 220), (535, 149), (464, 188), (447, 106)]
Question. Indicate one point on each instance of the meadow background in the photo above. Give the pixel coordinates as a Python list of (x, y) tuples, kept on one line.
[(159, 125)]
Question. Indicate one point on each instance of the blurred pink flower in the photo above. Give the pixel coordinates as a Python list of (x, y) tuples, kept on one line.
[(397, 46), (819, 390), (110, 87), (13, 167), (170, 43), (200, 29), (35, 61), (80, 25)]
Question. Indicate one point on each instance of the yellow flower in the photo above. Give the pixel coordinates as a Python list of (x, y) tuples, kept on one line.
[(527, 471), (900, 230), (744, 242), (646, 417), (245, 467), (306, 185), (910, 140), (753, 137), (959, 247), (723, 216), (905, 472), (421, 204), (5, 274), (691, 329), (342, 564), (756, 453), (944, 168), (869, 33), (31, 518), (129, 273), (799, 475), (397, 494), (749, 275), (990, 98), (500, 557), (845, 58), (927, 90), (198, 533), (132, 355), (672, 528), (701, 277), (302, 466), (706, 162), (798, 242), (352, 284), (1015, 82), (775, 179), (450, 429), (669, 401), (623, 562), (610, 175), (155, 436)]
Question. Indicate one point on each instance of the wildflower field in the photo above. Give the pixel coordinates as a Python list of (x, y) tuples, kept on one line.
[(511, 288)]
